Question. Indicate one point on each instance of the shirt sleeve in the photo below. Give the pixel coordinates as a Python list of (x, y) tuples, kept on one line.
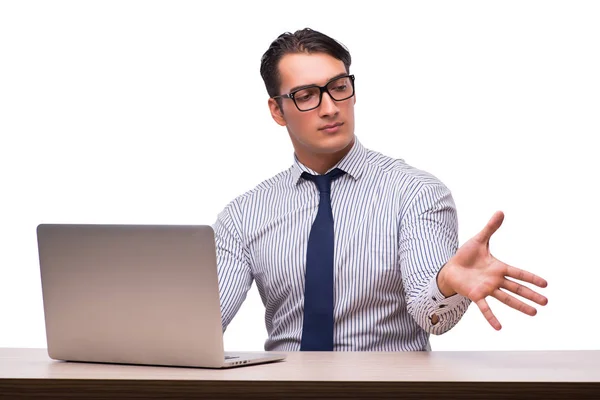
[(233, 266), (428, 239)]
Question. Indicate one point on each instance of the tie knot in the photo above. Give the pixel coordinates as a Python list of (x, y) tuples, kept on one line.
[(323, 182)]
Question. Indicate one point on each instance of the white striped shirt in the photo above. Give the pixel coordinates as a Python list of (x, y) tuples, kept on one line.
[(395, 227)]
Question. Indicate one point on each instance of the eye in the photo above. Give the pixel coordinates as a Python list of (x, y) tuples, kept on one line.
[(305, 97)]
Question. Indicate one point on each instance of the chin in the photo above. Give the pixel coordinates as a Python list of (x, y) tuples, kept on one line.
[(335, 143), (323, 143)]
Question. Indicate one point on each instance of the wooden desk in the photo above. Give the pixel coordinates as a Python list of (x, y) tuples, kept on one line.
[(29, 373)]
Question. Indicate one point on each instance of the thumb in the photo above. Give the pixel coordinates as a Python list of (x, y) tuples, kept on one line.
[(491, 227)]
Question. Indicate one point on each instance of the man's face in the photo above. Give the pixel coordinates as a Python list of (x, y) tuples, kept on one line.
[(309, 129)]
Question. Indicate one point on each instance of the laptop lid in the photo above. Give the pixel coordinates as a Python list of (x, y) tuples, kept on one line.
[(136, 294)]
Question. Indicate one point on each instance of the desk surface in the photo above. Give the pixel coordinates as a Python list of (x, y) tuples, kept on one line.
[(25, 372)]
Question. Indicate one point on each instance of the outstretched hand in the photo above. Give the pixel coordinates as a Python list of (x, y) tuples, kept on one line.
[(474, 273)]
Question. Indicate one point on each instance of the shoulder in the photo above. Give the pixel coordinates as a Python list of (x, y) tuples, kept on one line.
[(400, 172), (416, 190), (268, 187)]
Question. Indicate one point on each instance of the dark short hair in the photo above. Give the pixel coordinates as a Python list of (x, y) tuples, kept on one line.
[(302, 41)]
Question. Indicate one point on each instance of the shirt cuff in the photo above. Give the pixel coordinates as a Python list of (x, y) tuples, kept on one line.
[(441, 304)]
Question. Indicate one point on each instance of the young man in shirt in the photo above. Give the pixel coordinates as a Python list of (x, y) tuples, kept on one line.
[(350, 249)]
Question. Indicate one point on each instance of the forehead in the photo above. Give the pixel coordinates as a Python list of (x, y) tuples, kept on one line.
[(305, 69)]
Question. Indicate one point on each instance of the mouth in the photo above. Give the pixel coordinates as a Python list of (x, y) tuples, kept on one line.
[(331, 128)]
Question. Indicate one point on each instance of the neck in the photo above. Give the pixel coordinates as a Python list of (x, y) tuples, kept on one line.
[(323, 162)]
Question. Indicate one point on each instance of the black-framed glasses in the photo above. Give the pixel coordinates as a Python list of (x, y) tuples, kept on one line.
[(309, 97)]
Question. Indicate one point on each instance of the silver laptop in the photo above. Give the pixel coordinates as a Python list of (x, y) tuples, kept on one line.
[(134, 294)]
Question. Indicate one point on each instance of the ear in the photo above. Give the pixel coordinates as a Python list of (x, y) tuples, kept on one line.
[(276, 112)]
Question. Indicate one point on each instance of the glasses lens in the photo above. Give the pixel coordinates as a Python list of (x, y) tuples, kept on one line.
[(307, 98), (341, 89)]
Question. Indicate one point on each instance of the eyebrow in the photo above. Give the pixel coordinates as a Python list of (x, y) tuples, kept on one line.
[(314, 84)]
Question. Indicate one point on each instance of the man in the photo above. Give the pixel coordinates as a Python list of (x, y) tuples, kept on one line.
[(350, 249)]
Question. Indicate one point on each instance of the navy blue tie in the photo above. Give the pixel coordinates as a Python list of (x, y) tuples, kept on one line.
[(317, 328)]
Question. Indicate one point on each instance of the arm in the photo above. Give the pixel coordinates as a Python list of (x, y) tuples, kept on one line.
[(233, 267), (428, 239)]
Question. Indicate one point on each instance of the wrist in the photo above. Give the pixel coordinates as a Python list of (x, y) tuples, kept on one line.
[(442, 281)]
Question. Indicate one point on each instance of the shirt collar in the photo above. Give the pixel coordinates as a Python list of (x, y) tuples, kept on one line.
[(352, 164)]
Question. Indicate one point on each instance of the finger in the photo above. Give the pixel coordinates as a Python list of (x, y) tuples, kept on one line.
[(491, 227), (513, 302), (524, 292), (488, 314), (525, 276)]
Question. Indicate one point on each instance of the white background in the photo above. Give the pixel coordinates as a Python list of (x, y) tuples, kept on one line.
[(139, 111)]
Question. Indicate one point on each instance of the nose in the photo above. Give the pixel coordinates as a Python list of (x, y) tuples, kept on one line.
[(328, 106)]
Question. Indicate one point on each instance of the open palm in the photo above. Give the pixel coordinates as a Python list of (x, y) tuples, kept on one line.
[(474, 273)]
